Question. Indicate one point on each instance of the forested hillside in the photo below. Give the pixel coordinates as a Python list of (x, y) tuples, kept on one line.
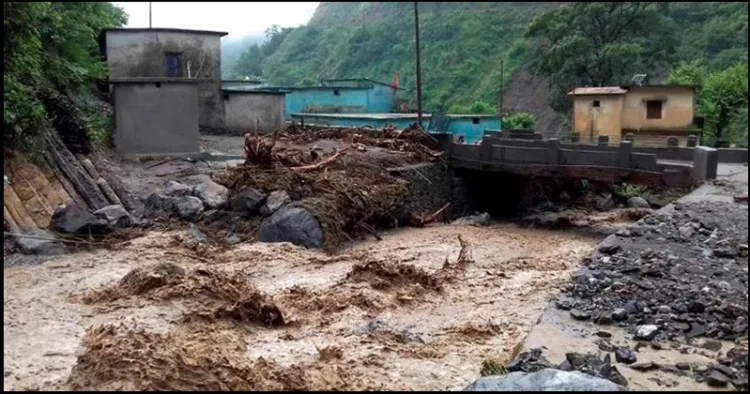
[(546, 48), (51, 61)]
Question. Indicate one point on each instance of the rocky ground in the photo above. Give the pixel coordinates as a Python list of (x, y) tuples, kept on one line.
[(665, 299)]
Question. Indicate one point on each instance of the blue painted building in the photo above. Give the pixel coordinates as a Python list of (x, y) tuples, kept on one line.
[(342, 96)]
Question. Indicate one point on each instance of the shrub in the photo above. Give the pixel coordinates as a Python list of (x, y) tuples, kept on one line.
[(519, 120)]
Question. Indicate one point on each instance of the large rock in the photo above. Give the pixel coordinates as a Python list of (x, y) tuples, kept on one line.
[(638, 202), (43, 243), (248, 201), (275, 200), (115, 215), (292, 224), (544, 380), (159, 202), (177, 189), (212, 194), (481, 219), (188, 207), (71, 219)]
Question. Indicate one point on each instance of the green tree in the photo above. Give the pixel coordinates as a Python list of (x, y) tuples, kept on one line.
[(723, 97), (50, 53), (597, 44)]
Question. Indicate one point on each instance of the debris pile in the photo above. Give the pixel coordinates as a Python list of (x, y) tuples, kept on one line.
[(347, 191)]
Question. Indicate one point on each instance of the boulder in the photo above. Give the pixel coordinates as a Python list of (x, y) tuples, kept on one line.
[(177, 189), (482, 219), (638, 202), (71, 219), (292, 224), (604, 202), (212, 194), (115, 215), (188, 207), (544, 380), (248, 201), (38, 246), (275, 200), (159, 202)]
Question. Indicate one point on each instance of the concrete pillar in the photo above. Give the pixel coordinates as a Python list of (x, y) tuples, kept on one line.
[(692, 141), (553, 153), (485, 149), (603, 140), (705, 163), (630, 137), (575, 138), (623, 154), (673, 141)]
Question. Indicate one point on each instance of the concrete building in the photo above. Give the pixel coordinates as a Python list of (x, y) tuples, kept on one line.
[(256, 111), (156, 116), (170, 53), (342, 96), (652, 112)]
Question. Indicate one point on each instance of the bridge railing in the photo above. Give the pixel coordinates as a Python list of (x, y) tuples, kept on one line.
[(701, 162)]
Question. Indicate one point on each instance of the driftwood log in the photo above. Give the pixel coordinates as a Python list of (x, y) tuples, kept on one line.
[(63, 160)]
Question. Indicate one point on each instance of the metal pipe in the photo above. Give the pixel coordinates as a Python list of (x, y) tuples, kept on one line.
[(419, 65), (149, 14)]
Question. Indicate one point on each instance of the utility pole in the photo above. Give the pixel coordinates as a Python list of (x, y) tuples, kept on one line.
[(149, 14), (419, 65), (500, 110)]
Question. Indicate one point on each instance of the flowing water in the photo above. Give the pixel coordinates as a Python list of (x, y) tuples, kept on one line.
[(402, 313)]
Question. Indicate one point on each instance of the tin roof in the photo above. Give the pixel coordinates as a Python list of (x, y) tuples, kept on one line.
[(600, 90)]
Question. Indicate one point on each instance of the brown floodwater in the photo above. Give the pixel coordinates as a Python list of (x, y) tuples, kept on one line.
[(401, 313)]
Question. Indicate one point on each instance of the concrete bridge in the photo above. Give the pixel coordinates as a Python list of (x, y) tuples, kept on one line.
[(671, 165)]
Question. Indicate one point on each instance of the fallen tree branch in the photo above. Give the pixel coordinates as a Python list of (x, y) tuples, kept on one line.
[(370, 230), (322, 163), (420, 220)]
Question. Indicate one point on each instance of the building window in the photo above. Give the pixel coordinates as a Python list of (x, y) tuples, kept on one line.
[(336, 92), (475, 120), (653, 109), (596, 104), (174, 65)]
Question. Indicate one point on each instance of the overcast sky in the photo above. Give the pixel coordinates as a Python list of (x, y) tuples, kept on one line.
[(235, 18)]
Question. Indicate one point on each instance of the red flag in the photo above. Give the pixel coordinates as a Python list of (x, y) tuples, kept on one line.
[(395, 82)]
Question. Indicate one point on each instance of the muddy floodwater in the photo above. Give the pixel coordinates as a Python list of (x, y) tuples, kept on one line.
[(402, 313)]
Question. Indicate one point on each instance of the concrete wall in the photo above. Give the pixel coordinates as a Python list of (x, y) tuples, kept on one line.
[(253, 112), (374, 98), (677, 108), (325, 100), (592, 121), (472, 128), (156, 118), (142, 53), (381, 98)]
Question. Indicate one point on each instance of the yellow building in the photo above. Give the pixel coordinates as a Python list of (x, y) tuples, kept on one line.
[(652, 113)]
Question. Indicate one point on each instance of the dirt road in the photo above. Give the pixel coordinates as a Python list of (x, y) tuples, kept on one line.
[(401, 313)]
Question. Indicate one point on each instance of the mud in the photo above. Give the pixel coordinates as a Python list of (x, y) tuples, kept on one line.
[(402, 313)]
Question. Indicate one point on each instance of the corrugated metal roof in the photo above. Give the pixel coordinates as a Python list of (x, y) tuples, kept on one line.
[(600, 90)]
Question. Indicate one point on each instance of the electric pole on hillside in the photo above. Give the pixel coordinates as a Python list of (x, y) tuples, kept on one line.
[(149, 14), (419, 65)]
